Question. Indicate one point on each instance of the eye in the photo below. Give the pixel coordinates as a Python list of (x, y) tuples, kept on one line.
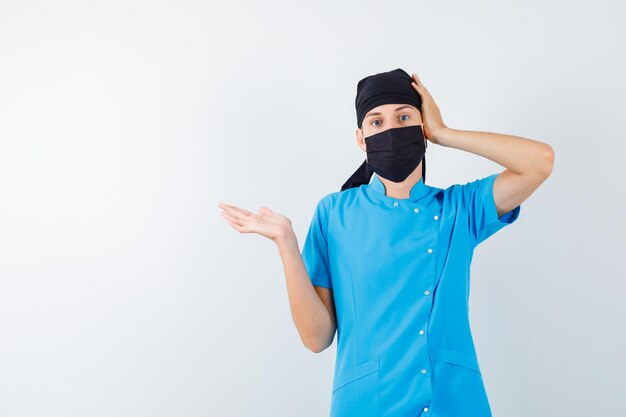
[(406, 116), (373, 121)]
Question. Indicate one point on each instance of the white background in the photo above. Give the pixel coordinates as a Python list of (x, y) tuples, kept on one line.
[(123, 124)]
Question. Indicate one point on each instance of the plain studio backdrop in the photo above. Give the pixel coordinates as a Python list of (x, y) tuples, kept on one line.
[(123, 124)]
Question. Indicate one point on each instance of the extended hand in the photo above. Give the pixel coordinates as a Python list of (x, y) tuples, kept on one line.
[(433, 123), (272, 225)]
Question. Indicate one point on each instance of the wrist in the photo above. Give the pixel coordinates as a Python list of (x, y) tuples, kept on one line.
[(286, 240), (441, 135)]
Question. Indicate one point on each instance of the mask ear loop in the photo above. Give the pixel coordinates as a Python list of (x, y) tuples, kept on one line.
[(424, 157)]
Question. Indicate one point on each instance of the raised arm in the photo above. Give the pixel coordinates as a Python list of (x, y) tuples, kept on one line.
[(528, 162)]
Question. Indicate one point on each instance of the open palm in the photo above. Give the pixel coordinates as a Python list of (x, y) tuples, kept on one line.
[(267, 223)]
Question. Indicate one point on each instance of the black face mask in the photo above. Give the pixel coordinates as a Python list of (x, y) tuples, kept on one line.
[(394, 153)]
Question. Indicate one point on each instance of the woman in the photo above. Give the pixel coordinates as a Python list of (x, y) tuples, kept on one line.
[(386, 263)]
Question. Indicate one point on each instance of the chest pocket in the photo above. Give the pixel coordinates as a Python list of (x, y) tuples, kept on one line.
[(356, 392)]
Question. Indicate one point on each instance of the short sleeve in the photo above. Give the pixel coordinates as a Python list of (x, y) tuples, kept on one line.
[(315, 248), (482, 215)]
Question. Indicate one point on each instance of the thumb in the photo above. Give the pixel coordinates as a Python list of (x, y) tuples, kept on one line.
[(265, 210)]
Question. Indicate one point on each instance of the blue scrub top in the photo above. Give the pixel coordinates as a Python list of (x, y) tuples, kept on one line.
[(400, 274)]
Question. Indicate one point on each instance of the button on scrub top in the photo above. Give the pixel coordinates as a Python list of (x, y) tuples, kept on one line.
[(400, 274)]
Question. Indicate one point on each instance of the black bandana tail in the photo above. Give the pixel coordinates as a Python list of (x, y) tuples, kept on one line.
[(361, 176)]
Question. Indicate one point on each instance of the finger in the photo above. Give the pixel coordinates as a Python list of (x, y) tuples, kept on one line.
[(418, 87), (241, 221), (265, 210), (232, 224), (228, 216), (236, 226), (235, 211), (229, 220), (417, 80), (242, 227)]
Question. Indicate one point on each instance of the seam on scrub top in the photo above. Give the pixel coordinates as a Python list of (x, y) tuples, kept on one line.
[(457, 358), (356, 325), (354, 379), (378, 383)]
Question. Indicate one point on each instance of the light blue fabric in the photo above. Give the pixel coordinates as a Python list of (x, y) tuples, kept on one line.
[(400, 274)]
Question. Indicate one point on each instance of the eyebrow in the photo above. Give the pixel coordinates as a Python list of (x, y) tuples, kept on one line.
[(378, 113)]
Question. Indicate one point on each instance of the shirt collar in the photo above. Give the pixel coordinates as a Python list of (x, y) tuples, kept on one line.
[(417, 191)]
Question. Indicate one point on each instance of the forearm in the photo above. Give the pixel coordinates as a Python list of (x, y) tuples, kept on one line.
[(518, 154), (310, 315)]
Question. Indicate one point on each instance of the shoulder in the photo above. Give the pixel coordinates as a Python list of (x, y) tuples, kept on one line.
[(340, 199), (473, 184), (461, 192)]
